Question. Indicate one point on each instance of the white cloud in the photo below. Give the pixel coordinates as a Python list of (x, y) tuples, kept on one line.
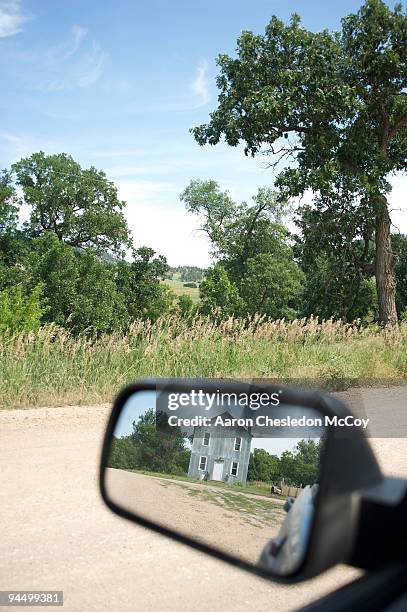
[(78, 33), (67, 49), (195, 95), (11, 18), (145, 191), (82, 66), (200, 85), (92, 67), (159, 221), (110, 153), (14, 146), (75, 63)]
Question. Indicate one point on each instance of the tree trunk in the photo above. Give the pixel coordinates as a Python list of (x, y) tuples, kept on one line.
[(385, 282)]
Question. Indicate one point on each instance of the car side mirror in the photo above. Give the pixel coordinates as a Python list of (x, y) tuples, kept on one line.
[(262, 476)]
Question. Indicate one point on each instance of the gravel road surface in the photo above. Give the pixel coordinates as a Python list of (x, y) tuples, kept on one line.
[(229, 520), (55, 532)]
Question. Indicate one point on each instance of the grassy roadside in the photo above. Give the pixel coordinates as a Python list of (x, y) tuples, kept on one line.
[(50, 367), (256, 512), (258, 488)]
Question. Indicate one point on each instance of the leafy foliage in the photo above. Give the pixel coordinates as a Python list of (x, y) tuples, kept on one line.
[(256, 272), (98, 307), (81, 207), (8, 203), (186, 308), (333, 102), (73, 247), (151, 447), (399, 242), (55, 264), (263, 466), (219, 295), (298, 467), (20, 311), (15, 266), (123, 454), (272, 286), (139, 283)]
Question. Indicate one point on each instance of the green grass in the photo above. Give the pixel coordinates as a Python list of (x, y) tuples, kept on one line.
[(254, 488), (177, 286), (259, 512), (50, 367)]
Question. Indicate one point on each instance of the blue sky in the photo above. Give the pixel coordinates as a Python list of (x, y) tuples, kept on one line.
[(118, 84), (139, 403)]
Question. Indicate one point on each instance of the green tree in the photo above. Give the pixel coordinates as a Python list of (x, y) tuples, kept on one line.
[(298, 467), (309, 451), (302, 466), (139, 283), (263, 466), (272, 286), (307, 458), (204, 198), (13, 244), (191, 274), (219, 295), (15, 259), (400, 269), (238, 231), (81, 207), (56, 266), (8, 203), (337, 261), (185, 307), (98, 306), (288, 471), (160, 448), (340, 293), (123, 454), (20, 311), (333, 102), (252, 247)]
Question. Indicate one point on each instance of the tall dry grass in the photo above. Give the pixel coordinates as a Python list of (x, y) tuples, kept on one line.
[(51, 367)]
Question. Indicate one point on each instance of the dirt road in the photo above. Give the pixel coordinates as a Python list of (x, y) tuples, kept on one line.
[(228, 520), (56, 534)]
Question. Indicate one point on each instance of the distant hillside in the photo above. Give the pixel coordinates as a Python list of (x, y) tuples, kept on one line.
[(187, 274), (178, 277)]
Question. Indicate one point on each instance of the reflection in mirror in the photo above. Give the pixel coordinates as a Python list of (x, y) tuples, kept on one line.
[(239, 477)]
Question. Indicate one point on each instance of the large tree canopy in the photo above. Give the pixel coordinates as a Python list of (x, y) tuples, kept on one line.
[(332, 102), (238, 231), (255, 272), (67, 260), (81, 207)]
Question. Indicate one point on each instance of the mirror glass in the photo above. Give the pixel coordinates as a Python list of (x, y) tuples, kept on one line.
[(239, 474)]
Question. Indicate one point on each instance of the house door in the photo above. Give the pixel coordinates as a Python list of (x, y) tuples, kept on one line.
[(217, 472)]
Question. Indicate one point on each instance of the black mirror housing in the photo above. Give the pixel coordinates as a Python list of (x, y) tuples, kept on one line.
[(348, 468)]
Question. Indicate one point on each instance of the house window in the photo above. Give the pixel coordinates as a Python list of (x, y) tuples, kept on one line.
[(238, 444), (234, 468), (203, 463), (206, 438)]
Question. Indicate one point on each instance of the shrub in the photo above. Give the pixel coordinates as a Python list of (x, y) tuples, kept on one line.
[(20, 312)]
